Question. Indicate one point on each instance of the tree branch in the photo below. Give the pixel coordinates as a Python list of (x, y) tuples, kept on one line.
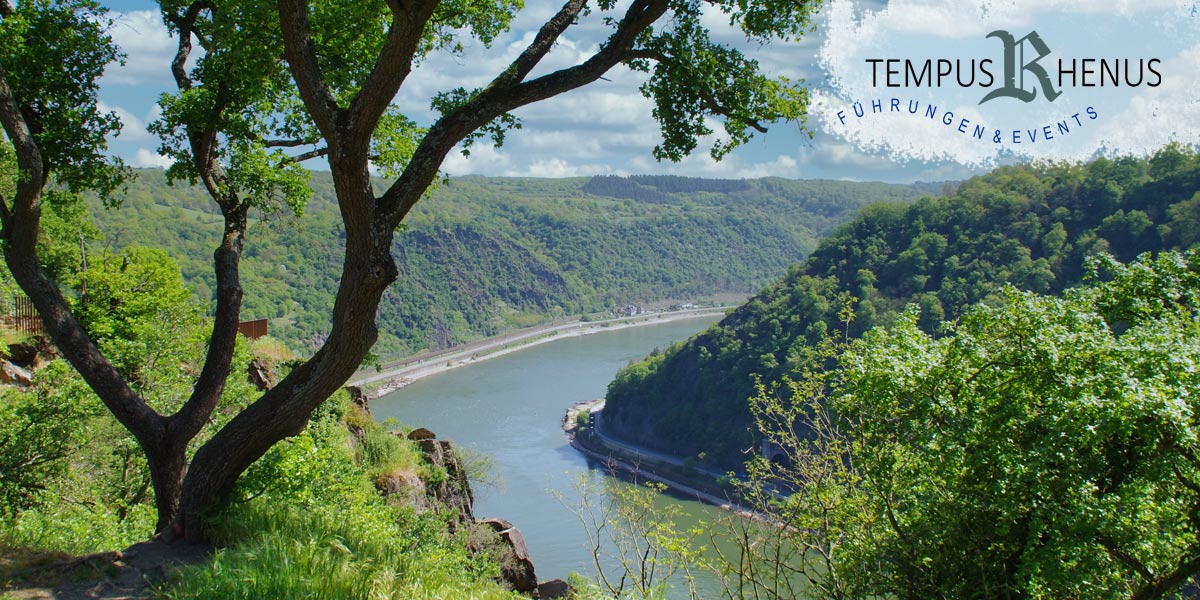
[(194, 414), (1121, 556), (710, 102), (185, 23), (717, 108), (542, 43), (1187, 568), (496, 100), (301, 55), (206, 393), (391, 69), (299, 158), (20, 252), (290, 143)]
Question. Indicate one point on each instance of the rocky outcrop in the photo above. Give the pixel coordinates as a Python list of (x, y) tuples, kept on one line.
[(359, 398), (450, 493), (516, 564), (25, 358), (22, 353), (553, 589), (13, 375), (421, 434), (406, 488)]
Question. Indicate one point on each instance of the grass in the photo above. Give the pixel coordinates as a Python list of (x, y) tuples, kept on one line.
[(326, 553), (333, 536), (272, 349)]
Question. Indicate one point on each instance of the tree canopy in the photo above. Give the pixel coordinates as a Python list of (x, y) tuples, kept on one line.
[(1044, 447)]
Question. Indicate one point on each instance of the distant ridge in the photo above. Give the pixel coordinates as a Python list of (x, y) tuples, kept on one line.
[(483, 255)]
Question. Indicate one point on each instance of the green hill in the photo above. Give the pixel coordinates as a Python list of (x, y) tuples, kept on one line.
[(1028, 226), (483, 255)]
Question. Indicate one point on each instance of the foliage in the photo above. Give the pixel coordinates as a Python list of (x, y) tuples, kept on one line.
[(90, 479), (1041, 448), (1029, 226), (38, 430), (637, 549), (51, 54)]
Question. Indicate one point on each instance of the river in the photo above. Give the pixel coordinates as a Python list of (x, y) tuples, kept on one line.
[(511, 409)]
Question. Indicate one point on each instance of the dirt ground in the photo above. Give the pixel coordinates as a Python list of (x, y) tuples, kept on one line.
[(126, 574)]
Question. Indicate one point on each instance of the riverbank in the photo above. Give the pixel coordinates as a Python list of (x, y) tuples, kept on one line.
[(678, 475), (399, 374)]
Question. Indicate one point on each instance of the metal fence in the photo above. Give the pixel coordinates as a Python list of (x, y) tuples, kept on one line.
[(19, 315)]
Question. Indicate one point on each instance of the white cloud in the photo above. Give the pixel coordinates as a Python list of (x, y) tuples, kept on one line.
[(970, 18), (133, 129), (148, 47), (832, 154), (147, 159), (557, 167), (732, 167), (484, 159), (1169, 112)]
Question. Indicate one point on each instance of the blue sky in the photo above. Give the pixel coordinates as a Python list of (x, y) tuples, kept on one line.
[(607, 127)]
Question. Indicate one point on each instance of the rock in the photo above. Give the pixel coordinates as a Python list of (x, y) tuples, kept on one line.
[(262, 374), (421, 433), (359, 398), (46, 352), (14, 375), (22, 353), (553, 589), (405, 487), (34, 354), (516, 564), (454, 492)]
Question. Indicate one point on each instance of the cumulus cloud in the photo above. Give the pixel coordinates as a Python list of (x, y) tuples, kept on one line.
[(148, 49), (840, 155), (557, 167), (146, 159), (133, 128), (1170, 112), (484, 159)]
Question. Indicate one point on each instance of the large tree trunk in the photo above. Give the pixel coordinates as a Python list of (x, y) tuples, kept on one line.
[(168, 463), (367, 270)]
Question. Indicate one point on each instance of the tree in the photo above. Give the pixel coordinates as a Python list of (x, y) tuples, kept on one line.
[(1046, 447), (323, 74)]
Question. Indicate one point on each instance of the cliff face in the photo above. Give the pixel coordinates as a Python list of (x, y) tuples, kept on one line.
[(452, 497)]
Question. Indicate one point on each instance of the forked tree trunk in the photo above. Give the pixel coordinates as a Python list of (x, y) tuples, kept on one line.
[(283, 411), (168, 463)]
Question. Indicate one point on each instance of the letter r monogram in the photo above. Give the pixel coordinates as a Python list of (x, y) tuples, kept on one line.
[(1012, 88)]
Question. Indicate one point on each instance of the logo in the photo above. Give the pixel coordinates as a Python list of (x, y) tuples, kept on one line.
[(981, 82), (1012, 87)]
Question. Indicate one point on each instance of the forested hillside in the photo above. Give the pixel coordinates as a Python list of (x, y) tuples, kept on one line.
[(482, 255), (1028, 226)]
